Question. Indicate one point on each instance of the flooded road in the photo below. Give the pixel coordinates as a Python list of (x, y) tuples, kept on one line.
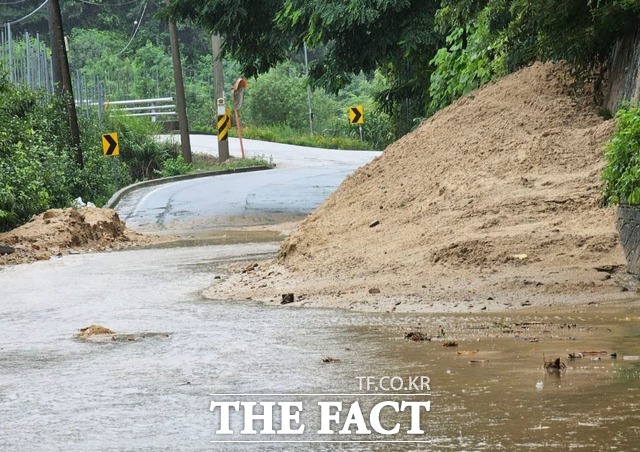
[(61, 393)]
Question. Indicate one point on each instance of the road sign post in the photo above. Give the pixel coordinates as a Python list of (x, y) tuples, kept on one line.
[(218, 74), (223, 123), (238, 94), (111, 148), (356, 116), (110, 145)]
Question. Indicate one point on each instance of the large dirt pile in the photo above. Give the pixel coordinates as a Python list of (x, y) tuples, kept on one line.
[(61, 231), (495, 197)]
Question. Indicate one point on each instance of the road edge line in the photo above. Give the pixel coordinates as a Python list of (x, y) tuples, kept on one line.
[(117, 196)]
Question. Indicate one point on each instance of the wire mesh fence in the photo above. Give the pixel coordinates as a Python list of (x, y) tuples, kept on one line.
[(27, 59)]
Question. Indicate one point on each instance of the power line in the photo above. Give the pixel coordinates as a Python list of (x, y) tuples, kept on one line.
[(107, 4), (136, 30), (30, 14), (12, 3)]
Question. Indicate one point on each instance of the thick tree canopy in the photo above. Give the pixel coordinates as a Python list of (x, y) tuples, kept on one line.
[(395, 36), (450, 46), (247, 26)]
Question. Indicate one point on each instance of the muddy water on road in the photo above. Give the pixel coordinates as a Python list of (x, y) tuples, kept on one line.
[(61, 393)]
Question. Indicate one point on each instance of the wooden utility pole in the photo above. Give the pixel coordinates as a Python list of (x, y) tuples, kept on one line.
[(218, 75), (309, 103), (61, 76), (185, 141)]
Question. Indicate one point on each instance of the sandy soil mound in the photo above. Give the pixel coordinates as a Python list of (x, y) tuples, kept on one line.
[(489, 203), (94, 330), (61, 231)]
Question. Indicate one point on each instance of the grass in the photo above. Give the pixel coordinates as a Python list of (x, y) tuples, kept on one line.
[(287, 135), (205, 162)]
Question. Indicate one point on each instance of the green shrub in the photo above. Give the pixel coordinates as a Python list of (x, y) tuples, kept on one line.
[(473, 57), (329, 139), (37, 165), (174, 167), (138, 148), (280, 97), (621, 175)]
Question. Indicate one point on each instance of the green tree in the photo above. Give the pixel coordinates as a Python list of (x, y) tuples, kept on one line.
[(579, 31), (248, 28), (279, 97), (395, 36)]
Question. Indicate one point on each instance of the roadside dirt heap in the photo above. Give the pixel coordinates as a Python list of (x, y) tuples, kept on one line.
[(64, 231), (492, 203)]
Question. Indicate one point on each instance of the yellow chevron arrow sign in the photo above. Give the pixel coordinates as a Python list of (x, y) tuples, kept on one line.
[(356, 115), (110, 146)]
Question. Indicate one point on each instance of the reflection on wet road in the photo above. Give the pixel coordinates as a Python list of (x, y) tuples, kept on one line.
[(60, 393)]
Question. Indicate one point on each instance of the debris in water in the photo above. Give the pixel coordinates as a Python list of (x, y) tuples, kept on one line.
[(539, 385), (555, 366), (94, 330), (287, 298), (417, 336), (631, 357), (373, 224), (450, 344), (478, 361), (467, 352), (331, 360)]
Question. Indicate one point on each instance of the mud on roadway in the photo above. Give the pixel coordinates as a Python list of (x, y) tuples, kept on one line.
[(493, 204)]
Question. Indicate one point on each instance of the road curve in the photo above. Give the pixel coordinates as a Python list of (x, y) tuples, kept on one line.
[(303, 178)]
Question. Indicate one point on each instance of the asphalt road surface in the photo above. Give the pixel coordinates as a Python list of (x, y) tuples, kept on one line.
[(303, 178)]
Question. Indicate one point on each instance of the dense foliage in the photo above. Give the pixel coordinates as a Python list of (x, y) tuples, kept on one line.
[(621, 176), (401, 59), (37, 169), (395, 37), (430, 51)]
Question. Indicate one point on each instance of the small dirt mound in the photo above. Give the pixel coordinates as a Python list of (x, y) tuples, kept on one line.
[(94, 330), (61, 231)]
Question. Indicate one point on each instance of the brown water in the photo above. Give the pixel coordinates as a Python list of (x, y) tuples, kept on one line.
[(61, 393)]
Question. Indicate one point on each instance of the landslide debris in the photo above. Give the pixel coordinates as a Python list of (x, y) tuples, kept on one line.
[(493, 198), (63, 231)]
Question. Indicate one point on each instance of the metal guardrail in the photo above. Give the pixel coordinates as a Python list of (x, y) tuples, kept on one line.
[(161, 106), (139, 107)]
